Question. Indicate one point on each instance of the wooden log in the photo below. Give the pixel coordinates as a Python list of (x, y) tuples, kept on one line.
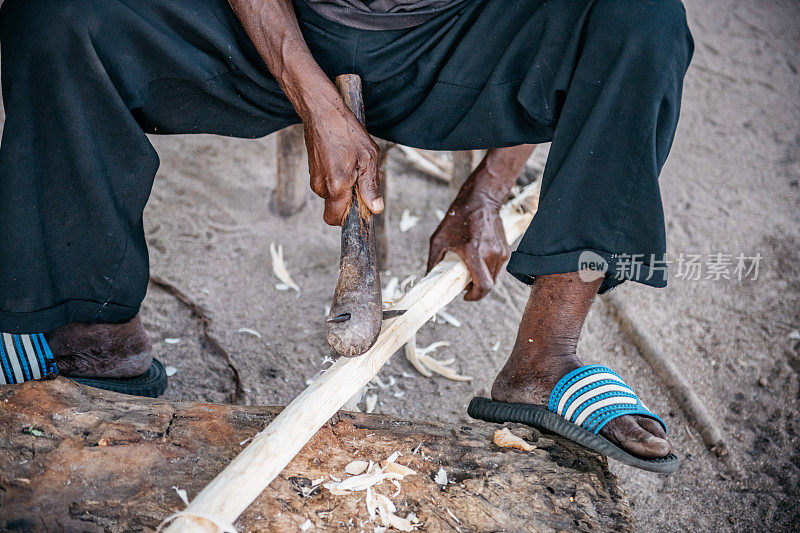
[(292, 177), (80, 459), (229, 494)]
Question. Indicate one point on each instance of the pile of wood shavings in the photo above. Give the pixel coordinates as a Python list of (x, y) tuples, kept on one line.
[(418, 357), (366, 475)]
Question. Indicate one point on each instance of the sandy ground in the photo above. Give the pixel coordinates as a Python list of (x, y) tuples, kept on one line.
[(730, 186)]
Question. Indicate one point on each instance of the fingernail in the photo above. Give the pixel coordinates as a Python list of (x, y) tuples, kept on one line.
[(377, 205)]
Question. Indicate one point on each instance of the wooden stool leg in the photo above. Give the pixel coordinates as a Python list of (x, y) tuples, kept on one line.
[(463, 163), (292, 171), (381, 222)]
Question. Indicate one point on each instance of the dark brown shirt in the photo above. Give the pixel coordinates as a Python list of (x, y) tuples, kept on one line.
[(380, 14)]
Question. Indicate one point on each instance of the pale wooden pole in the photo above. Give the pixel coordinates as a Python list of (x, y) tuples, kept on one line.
[(235, 488), (291, 186)]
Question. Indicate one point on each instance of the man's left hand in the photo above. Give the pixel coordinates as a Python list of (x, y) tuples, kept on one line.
[(472, 228)]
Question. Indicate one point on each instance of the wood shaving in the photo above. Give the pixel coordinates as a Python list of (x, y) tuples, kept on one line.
[(505, 439), (370, 402), (182, 495), (441, 369), (399, 488), (383, 385), (447, 317), (391, 293), (367, 477), (407, 283), (356, 467), (397, 468), (250, 331), (372, 505), (400, 524), (385, 503), (433, 347), (352, 403), (441, 477), (280, 270), (407, 221), (221, 524), (426, 365), (453, 516), (412, 352)]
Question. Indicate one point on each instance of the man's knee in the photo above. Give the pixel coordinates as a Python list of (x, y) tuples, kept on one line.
[(38, 29), (656, 28)]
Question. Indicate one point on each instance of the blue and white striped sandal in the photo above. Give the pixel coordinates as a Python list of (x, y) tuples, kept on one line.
[(28, 357), (581, 403)]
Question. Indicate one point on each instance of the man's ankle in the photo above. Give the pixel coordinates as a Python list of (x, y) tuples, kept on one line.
[(101, 350)]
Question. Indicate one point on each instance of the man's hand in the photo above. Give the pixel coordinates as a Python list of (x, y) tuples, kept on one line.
[(472, 229), (340, 151), (340, 154)]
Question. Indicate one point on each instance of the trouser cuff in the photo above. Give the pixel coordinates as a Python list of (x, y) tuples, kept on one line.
[(649, 269), (66, 313)]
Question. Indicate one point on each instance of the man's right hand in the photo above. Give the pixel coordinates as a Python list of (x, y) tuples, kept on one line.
[(340, 151), (340, 154)]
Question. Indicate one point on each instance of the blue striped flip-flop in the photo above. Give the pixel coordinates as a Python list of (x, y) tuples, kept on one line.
[(28, 357), (581, 403)]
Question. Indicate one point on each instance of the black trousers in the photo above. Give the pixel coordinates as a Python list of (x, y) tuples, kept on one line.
[(83, 80)]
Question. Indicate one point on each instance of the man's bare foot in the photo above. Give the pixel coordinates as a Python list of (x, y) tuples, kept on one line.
[(101, 350), (545, 352)]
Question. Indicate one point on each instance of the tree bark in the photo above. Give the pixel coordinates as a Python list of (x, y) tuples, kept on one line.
[(76, 458)]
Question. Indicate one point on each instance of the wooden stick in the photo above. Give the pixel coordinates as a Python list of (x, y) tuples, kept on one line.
[(292, 171), (235, 488), (684, 394), (438, 160), (422, 164)]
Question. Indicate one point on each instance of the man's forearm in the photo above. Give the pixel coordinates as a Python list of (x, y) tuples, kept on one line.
[(499, 170), (272, 27)]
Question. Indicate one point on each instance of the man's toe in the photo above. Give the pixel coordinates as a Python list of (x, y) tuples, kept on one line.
[(656, 429), (651, 426), (626, 433)]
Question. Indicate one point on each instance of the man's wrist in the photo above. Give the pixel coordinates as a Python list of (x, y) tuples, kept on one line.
[(312, 94), (482, 184)]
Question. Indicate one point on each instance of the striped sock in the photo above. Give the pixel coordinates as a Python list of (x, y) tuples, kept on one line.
[(24, 357)]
